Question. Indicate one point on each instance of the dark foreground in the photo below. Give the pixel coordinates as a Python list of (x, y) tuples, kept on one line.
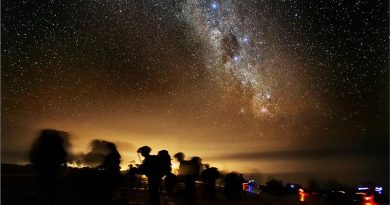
[(21, 187)]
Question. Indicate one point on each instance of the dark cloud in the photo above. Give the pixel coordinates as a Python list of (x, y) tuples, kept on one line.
[(230, 47)]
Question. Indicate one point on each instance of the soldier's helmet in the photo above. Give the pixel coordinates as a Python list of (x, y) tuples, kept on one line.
[(179, 156), (144, 150)]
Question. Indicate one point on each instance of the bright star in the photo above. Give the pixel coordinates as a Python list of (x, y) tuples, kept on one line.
[(214, 5)]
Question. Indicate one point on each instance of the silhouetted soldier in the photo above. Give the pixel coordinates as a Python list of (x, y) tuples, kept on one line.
[(183, 166), (170, 183), (209, 177), (150, 167), (131, 174), (193, 175), (48, 154), (165, 165), (189, 172)]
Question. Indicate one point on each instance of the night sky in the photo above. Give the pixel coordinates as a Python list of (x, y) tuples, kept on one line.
[(270, 86)]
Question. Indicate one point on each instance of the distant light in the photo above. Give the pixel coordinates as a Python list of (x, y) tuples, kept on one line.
[(236, 58), (250, 187), (292, 186), (360, 193), (343, 192), (214, 5), (301, 195), (362, 188), (245, 186), (379, 189), (367, 198)]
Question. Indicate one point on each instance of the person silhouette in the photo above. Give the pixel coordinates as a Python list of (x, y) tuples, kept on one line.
[(165, 165), (165, 168), (170, 183), (183, 166), (209, 177), (189, 172), (131, 174), (150, 168), (195, 165), (48, 154)]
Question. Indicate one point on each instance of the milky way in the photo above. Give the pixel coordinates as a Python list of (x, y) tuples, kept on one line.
[(233, 40), (263, 79)]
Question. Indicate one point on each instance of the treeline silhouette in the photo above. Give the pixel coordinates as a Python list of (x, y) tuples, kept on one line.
[(103, 182), (49, 181)]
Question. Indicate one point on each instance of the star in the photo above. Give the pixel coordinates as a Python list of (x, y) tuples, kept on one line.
[(264, 110), (214, 5), (236, 59), (245, 40)]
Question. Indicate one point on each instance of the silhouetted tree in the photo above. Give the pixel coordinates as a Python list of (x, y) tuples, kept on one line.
[(99, 150), (233, 186), (275, 186), (112, 159), (109, 168), (313, 184), (48, 154)]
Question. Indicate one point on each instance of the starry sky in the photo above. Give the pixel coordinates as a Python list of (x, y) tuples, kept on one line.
[(283, 86)]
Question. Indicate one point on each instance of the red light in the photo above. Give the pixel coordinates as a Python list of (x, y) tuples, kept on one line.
[(367, 198), (245, 186)]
